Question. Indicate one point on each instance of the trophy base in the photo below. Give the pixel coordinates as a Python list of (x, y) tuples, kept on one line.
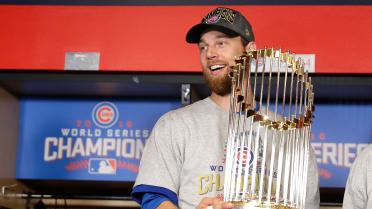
[(256, 205)]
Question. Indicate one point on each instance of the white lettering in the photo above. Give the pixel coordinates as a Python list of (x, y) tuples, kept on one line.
[(317, 150), (74, 132), (128, 148), (337, 154), (69, 147), (65, 131), (108, 145), (139, 148), (348, 154), (94, 148), (81, 132), (117, 133), (62, 148), (340, 155), (125, 133), (109, 133), (78, 148), (97, 132), (47, 155), (329, 152), (145, 133), (138, 133)]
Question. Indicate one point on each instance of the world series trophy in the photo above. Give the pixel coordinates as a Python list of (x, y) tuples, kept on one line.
[(268, 142)]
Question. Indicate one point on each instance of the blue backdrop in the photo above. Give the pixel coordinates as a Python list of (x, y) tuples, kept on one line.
[(69, 139), (340, 132)]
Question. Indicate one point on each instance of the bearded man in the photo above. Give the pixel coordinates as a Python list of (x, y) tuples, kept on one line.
[(183, 162)]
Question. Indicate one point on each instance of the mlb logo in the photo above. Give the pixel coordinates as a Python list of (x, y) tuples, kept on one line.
[(102, 166)]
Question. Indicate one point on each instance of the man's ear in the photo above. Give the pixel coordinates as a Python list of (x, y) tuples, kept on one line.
[(251, 46)]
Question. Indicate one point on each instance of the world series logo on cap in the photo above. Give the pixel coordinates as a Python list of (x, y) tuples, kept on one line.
[(220, 13), (105, 114), (213, 19)]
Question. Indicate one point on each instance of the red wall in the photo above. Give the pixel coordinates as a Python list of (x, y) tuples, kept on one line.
[(152, 38)]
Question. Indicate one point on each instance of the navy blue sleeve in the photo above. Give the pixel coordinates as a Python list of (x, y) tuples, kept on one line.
[(139, 191)]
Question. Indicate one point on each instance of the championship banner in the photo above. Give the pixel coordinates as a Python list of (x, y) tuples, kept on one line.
[(339, 133), (66, 139), (91, 139)]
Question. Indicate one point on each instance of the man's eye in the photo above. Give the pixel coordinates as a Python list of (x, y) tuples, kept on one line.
[(202, 48), (221, 43)]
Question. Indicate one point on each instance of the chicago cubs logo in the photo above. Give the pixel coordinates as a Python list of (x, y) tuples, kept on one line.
[(213, 19), (105, 114), (245, 156)]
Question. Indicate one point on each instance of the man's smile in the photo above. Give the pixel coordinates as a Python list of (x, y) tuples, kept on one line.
[(217, 68)]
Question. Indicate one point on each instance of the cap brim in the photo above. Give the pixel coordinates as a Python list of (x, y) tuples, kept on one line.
[(193, 36)]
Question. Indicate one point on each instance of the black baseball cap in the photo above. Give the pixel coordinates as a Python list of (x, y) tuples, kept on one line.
[(226, 20)]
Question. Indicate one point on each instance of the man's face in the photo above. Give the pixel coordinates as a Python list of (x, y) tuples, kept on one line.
[(217, 52)]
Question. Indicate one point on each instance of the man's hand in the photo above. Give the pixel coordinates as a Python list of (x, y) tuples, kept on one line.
[(215, 203)]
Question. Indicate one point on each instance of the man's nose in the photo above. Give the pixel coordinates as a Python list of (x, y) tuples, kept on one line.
[(211, 53)]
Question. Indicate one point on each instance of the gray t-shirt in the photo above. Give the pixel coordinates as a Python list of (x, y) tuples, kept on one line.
[(185, 154), (358, 190)]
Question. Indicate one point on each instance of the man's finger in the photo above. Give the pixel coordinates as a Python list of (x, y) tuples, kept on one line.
[(227, 205), (205, 202)]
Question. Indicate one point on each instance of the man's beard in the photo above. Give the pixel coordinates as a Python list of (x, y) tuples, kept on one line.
[(218, 85)]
